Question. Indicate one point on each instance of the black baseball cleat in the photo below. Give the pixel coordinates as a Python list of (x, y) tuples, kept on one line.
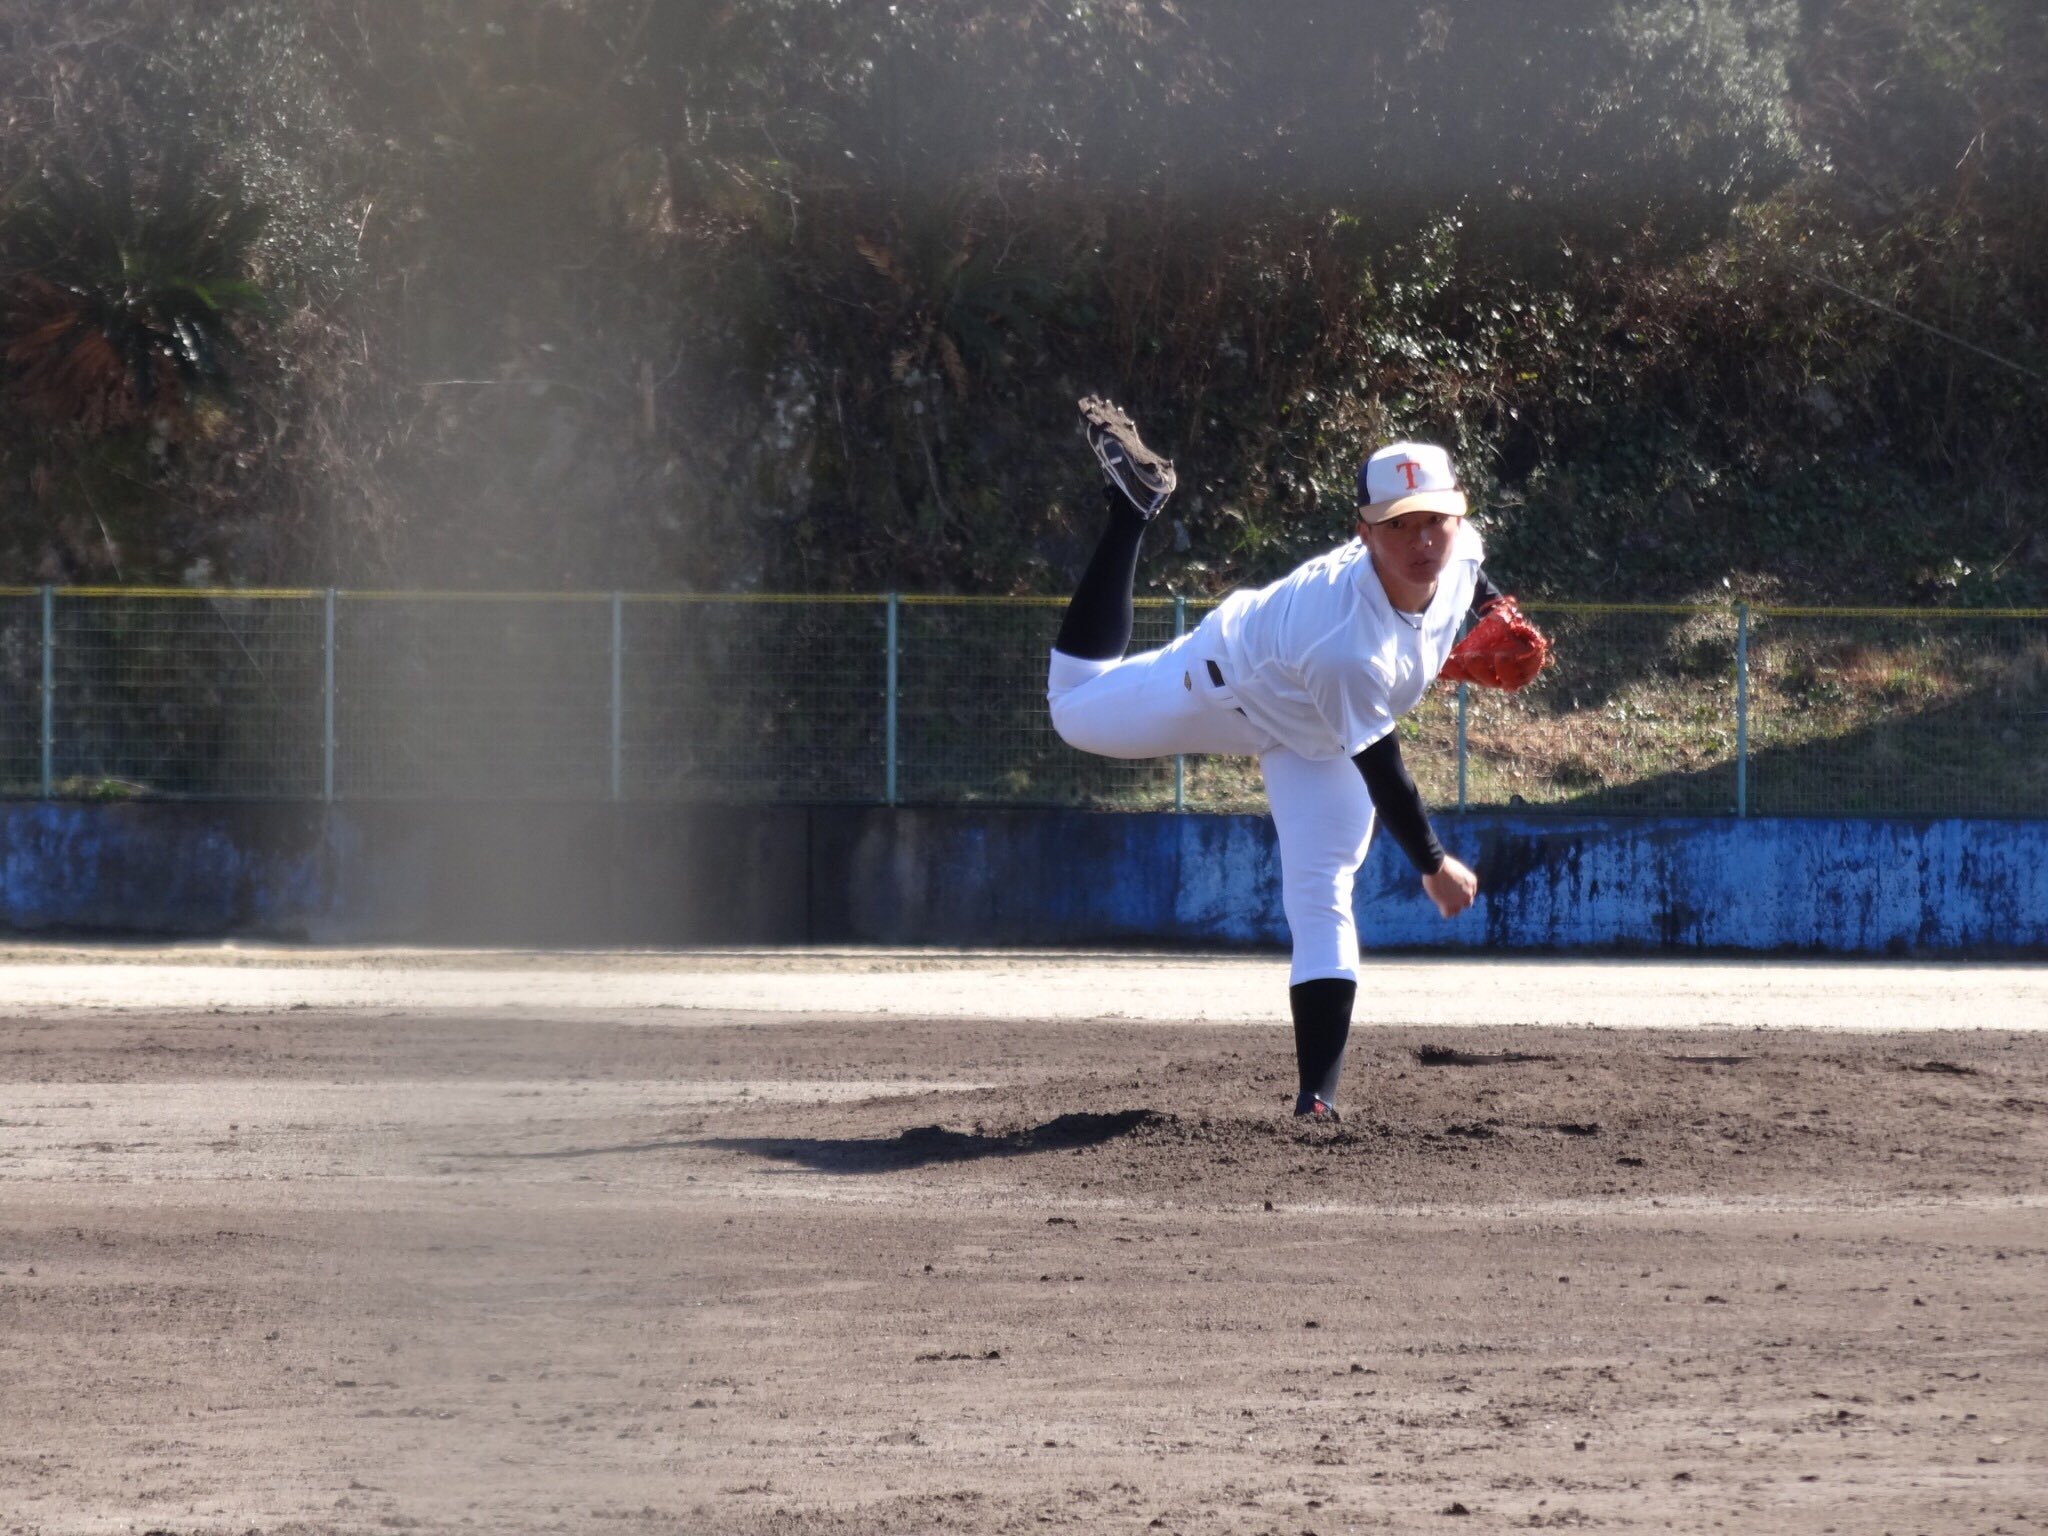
[(1313, 1106), (1143, 476)]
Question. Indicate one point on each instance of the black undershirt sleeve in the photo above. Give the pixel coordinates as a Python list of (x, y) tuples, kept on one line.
[(1399, 803), (1483, 591)]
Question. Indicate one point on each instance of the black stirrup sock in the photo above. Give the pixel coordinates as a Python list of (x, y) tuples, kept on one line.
[(1322, 1023), (1098, 622)]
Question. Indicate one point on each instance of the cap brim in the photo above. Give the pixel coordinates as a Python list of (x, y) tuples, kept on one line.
[(1450, 503)]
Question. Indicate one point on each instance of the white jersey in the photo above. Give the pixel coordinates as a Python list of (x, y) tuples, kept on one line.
[(1322, 661)]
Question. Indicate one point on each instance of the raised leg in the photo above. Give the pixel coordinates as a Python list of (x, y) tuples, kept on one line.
[(1097, 626), (1136, 483)]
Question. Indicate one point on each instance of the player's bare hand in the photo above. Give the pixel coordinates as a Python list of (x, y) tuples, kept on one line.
[(1453, 887)]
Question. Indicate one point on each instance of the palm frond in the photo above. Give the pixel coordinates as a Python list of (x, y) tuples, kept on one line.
[(121, 290)]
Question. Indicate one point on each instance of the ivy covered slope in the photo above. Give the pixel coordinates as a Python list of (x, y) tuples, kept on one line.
[(1707, 295)]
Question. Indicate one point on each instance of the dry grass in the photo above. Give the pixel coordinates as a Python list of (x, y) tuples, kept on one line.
[(1920, 715)]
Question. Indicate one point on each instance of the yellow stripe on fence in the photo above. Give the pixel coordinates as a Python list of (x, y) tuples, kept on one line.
[(957, 600), (207, 594), (1899, 613), (1596, 610)]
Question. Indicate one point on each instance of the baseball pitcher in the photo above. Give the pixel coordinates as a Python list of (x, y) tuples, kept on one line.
[(1308, 675)]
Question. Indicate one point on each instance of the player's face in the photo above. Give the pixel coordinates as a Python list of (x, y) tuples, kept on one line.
[(1413, 548)]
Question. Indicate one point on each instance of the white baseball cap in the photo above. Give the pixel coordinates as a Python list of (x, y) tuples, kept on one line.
[(1408, 477)]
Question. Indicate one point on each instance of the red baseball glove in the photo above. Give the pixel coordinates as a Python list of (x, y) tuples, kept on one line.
[(1504, 650)]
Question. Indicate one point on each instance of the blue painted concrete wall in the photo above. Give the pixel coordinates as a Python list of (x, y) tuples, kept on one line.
[(1547, 883), (410, 873), (779, 874)]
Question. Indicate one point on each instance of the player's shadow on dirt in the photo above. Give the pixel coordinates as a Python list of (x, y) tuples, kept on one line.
[(923, 1145)]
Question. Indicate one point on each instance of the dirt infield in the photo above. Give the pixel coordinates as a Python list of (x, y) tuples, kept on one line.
[(565, 1269)]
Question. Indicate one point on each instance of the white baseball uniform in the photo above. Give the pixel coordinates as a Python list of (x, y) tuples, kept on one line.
[(1303, 674)]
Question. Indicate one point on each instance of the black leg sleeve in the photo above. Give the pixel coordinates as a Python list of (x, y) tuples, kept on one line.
[(1399, 803), (1322, 1025), (1484, 592), (1098, 622)]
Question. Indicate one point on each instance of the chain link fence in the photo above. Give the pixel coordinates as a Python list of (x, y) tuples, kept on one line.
[(310, 695), (1881, 712)]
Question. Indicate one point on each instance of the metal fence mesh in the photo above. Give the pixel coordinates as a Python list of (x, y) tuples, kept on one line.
[(1636, 714), (972, 722), (753, 700), (1697, 710), (21, 693), (472, 698), (197, 697), (1889, 714)]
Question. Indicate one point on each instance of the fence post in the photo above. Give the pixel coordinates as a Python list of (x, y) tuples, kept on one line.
[(49, 743), (618, 693), (1180, 774), (1462, 703), (1741, 709), (327, 705), (889, 719)]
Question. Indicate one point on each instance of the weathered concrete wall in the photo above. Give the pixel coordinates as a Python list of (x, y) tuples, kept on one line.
[(159, 869), (1845, 887), (408, 873), (663, 875)]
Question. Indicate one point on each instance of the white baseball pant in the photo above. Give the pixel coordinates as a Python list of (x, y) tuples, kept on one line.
[(1161, 703)]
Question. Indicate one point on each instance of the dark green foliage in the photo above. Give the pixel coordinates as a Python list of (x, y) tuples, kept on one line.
[(798, 293), (122, 292)]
